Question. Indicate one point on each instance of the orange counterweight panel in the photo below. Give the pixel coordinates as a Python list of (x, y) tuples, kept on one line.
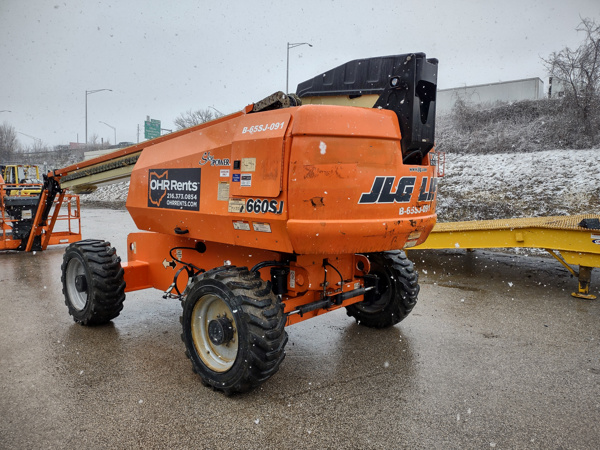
[(353, 193)]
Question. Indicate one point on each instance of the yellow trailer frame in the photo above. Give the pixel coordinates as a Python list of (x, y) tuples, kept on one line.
[(564, 237)]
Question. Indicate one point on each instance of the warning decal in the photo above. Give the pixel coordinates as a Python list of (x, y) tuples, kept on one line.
[(174, 189)]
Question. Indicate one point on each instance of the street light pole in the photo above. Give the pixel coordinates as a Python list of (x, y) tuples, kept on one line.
[(86, 117), (287, 71), (37, 140), (114, 129), (219, 112)]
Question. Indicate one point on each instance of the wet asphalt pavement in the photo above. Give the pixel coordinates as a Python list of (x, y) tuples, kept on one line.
[(496, 354)]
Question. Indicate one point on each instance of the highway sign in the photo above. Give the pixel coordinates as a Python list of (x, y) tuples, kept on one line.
[(152, 129)]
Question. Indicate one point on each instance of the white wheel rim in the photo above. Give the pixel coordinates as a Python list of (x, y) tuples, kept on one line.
[(219, 358), (74, 269)]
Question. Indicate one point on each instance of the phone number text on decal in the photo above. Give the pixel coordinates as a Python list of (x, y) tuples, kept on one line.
[(265, 127), (176, 196), (414, 210)]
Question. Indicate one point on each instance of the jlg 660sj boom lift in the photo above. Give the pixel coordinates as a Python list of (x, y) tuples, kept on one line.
[(274, 215)]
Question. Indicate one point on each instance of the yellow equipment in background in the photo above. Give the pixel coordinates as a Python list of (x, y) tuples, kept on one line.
[(570, 239), (24, 179)]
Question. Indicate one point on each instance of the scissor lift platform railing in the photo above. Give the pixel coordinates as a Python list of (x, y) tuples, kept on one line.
[(564, 237)]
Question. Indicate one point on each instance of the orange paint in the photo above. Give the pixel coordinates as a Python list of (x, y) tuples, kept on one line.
[(308, 185)]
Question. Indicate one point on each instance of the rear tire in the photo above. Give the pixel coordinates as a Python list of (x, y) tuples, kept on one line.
[(93, 284), (397, 291), (233, 329)]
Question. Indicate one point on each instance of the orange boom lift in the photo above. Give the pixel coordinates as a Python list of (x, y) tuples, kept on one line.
[(30, 210), (286, 210)]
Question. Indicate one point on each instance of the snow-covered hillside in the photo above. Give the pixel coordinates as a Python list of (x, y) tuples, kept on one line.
[(506, 185), (489, 186)]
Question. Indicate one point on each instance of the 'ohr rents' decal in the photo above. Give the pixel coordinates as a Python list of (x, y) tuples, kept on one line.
[(174, 189)]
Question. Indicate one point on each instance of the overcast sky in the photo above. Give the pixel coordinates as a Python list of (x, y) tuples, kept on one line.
[(162, 58)]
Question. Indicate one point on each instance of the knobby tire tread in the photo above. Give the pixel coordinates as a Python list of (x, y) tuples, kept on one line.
[(405, 289), (265, 324), (106, 285)]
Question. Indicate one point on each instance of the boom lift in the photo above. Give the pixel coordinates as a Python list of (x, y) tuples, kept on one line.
[(24, 225), (272, 215)]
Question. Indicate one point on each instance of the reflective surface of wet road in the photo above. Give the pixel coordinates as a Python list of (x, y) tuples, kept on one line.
[(496, 354)]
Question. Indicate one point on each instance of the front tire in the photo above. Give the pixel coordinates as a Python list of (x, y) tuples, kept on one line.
[(233, 329), (93, 284), (396, 294)]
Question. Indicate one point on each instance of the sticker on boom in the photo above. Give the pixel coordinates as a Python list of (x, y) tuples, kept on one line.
[(174, 189)]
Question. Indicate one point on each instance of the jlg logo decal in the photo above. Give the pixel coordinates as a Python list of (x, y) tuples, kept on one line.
[(386, 190), (174, 189)]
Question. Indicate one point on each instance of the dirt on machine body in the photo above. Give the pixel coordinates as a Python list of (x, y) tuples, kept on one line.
[(293, 207)]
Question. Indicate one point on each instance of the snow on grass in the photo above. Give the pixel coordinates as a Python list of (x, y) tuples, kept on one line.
[(506, 185)]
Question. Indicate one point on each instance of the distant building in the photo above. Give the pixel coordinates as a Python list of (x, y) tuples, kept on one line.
[(556, 88), (506, 91)]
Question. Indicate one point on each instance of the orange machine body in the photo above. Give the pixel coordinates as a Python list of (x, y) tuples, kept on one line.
[(305, 184), (317, 180)]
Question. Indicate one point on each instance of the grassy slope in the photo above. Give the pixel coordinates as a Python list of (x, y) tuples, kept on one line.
[(518, 160)]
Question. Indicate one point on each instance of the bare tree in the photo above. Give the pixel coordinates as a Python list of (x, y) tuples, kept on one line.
[(579, 72), (191, 118), (93, 141), (8, 141), (37, 147)]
